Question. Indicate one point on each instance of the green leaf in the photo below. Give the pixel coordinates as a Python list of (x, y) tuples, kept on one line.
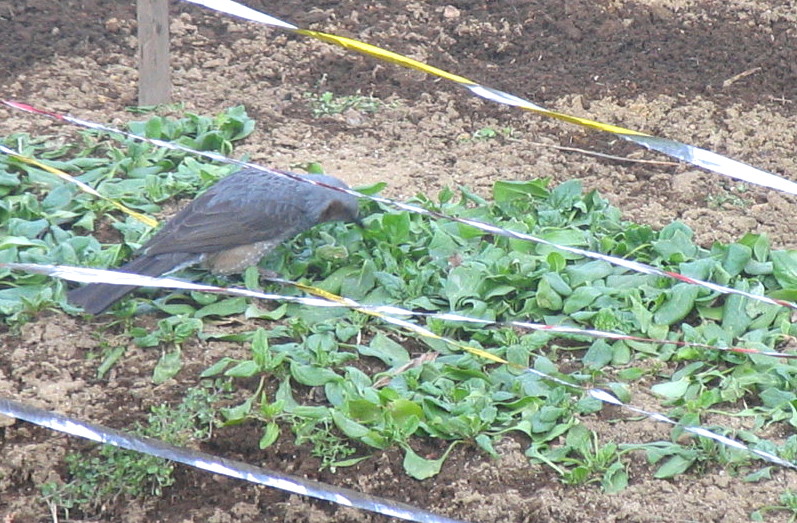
[(758, 475), (364, 410), (672, 389), (403, 409), (564, 195), (599, 354), (547, 297), (228, 307), (735, 319), (387, 350), (567, 237), (486, 444), (462, 282), (254, 311), (244, 369), (348, 426), (239, 412), (680, 302), (168, 366), (675, 243), (621, 391), (396, 226), (615, 479), (372, 189), (631, 374), (775, 398), (759, 245), (423, 468), (673, 466), (736, 258), (581, 298), (507, 191), (270, 435), (111, 358), (260, 348), (7, 242), (784, 268), (589, 272), (216, 368), (311, 375)]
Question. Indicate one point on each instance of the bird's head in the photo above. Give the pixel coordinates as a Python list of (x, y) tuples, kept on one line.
[(332, 205)]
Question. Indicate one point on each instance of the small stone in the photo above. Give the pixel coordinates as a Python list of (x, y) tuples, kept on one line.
[(450, 12), (112, 25), (215, 62)]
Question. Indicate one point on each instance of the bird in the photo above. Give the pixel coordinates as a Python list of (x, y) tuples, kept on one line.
[(230, 227)]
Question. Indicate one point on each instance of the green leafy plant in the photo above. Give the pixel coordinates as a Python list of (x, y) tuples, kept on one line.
[(97, 477)]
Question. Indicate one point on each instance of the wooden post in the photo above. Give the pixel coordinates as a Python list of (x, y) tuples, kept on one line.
[(154, 74)]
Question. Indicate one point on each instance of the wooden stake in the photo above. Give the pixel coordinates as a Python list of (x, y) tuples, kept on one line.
[(154, 74)]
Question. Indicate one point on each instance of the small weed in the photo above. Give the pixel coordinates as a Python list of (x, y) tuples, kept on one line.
[(327, 103), (491, 133), (331, 448), (98, 477), (731, 196)]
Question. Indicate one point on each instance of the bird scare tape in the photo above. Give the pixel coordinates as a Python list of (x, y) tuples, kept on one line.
[(217, 465), (389, 314), (702, 158), (485, 227), (328, 299)]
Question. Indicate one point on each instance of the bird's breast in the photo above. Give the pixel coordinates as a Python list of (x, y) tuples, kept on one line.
[(237, 259)]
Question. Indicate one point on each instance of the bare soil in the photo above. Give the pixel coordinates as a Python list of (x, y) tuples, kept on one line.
[(667, 67)]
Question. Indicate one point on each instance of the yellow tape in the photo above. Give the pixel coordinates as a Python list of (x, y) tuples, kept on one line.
[(402, 60), (384, 54), (316, 291), (592, 124), (85, 188), (416, 328), (688, 153)]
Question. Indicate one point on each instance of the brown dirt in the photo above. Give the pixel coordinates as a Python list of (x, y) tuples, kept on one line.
[(652, 65)]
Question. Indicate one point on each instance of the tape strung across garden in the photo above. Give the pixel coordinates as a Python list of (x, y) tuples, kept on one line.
[(688, 153), (486, 227), (227, 467), (328, 299), (388, 314)]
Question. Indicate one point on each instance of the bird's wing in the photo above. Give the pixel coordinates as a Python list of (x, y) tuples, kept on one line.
[(236, 211)]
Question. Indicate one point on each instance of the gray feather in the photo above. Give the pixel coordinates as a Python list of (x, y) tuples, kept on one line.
[(245, 208)]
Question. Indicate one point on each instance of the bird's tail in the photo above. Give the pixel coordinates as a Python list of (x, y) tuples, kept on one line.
[(97, 297)]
